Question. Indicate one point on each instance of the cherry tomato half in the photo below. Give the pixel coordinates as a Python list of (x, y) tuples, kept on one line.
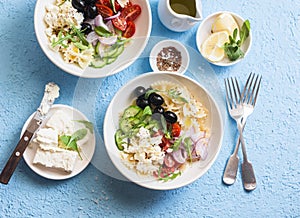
[(130, 13), (104, 10), (104, 2), (176, 128), (120, 23), (130, 30)]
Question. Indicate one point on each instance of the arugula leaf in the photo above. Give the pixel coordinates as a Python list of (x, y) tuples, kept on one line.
[(175, 94), (177, 143), (165, 127), (61, 40), (170, 176), (80, 35), (233, 47), (150, 91), (87, 124), (188, 145)]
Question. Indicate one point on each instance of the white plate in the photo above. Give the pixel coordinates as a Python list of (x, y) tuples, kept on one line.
[(124, 98), (86, 152), (166, 43), (131, 52), (204, 31)]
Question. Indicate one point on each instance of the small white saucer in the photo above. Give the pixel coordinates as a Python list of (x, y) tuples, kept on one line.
[(185, 58), (87, 151)]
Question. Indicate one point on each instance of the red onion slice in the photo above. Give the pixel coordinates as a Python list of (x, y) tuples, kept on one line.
[(99, 22), (169, 161), (92, 37), (201, 149), (114, 16), (108, 40), (180, 156)]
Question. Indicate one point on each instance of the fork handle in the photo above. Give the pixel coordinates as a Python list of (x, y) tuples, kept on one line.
[(232, 165), (241, 139)]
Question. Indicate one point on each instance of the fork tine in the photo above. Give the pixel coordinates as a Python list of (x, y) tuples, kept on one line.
[(236, 90), (252, 89), (248, 88), (231, 93), (239, 91), (227, 93), (257, 89)]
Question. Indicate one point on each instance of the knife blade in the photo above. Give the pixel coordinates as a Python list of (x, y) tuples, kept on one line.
[(50, 94)]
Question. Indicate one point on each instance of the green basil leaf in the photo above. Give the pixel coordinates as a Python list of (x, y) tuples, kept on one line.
[(87, 124)]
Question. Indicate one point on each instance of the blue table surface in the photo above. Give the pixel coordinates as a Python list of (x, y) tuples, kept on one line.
[(271, 133)]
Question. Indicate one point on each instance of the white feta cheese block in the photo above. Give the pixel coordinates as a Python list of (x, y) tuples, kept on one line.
[(62, 122), (47, 136), (60, 159)]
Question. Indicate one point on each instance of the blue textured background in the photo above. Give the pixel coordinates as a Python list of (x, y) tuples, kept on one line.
[(271, 133)]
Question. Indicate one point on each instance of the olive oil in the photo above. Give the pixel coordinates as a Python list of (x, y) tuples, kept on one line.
[(187, 7)]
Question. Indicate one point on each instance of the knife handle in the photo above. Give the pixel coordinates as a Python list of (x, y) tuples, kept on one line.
[(15, 157)]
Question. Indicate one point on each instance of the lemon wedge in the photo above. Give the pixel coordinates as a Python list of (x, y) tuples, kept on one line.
[(212, 47), (224, 22)]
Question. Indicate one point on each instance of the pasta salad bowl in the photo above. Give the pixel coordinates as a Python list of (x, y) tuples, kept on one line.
[(92, 39), (163, 130)]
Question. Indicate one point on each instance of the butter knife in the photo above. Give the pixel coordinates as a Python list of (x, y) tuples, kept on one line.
[(50, 94)]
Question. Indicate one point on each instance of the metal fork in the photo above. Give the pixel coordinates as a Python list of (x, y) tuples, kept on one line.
[(240, 107)]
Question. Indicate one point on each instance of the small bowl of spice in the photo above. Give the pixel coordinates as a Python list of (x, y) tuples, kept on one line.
[(169, 56)]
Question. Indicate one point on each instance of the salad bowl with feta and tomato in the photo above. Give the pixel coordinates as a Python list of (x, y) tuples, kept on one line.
[(92, 38), (163, 131)]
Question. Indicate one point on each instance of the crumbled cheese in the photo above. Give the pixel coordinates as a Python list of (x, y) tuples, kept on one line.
[(59, 19), (123, 3), (143, 153)]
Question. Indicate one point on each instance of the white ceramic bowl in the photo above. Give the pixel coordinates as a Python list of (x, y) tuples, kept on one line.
[(204, 31), (130, 54), (185, 58), (124, 97)]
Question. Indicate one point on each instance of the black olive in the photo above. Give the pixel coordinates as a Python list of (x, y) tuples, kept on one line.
[(86, 28), (156, 99), (159, 109), (79, 5), (90, 2), (90, 11), (142, 102), (170, 117), (139, 91)]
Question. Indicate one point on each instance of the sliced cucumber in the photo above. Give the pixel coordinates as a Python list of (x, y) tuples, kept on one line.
[(128, 124), (110, 51), (109, 60), (119, 51), (132, 111), (97, 48), (99, 62), (119, 137)]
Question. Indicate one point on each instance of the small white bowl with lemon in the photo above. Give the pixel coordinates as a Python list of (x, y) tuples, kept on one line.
[(218, 29)]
